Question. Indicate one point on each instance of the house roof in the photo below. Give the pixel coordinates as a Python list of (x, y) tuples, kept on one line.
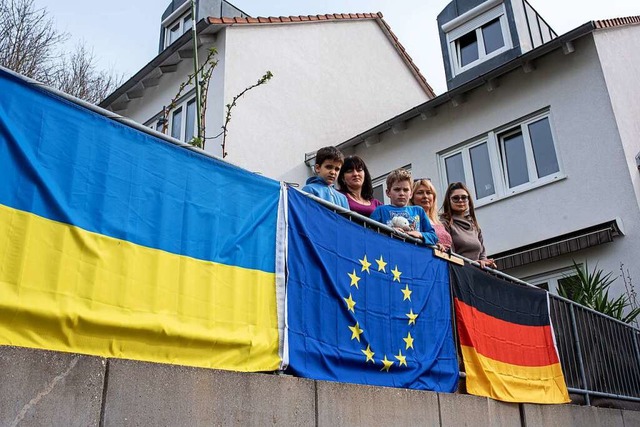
[(457, 94), (181, 49)]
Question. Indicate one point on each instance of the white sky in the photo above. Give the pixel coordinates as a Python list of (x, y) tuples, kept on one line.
[(124, 33)]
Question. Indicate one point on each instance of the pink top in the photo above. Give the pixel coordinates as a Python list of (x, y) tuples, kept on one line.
[(444, 237), (365, 210)]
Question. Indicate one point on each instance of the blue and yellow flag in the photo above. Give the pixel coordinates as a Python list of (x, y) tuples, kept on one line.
[(118, 244), (365, 308)]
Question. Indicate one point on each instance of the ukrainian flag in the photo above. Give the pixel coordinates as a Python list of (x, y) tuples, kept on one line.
[(118, 244)]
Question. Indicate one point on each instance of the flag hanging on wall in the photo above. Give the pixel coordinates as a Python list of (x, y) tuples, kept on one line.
[(506, 338), (118, 244), (363, 307)]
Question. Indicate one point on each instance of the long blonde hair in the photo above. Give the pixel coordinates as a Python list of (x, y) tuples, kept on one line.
[(433, 210)]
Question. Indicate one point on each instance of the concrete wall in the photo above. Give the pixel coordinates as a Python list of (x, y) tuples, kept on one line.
[(47, 388)]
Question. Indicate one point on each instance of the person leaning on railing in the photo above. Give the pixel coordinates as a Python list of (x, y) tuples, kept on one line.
[(424, 194), (459, 218)]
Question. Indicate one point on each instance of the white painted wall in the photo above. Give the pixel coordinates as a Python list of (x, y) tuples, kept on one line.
[(597, 187), (618, 49), (332, 80)]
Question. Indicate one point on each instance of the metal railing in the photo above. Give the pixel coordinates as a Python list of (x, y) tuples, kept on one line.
[(600, 355)]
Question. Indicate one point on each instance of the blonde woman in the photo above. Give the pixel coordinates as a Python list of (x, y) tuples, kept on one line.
[(424, 195)]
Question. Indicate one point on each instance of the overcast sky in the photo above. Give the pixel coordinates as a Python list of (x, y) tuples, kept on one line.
[(124, 33)]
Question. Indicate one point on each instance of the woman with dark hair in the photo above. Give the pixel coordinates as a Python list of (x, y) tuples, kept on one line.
[(459, 218), (354, 181)]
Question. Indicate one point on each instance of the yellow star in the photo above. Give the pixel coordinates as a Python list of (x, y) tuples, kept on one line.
[(396, 274), (365, 264), (409, 341), (350, 303), (407, 293), (354, 279), (412, 317), (401, 358), (369, 354), (356, 331), (381, 264), (387, 364)]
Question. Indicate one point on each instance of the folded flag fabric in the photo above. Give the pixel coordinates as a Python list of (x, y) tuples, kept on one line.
[(363, 307), (118, 244), (506, 338)]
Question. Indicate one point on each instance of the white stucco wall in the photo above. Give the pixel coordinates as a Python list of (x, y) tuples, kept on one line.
[(597, 186), (619, 52), (332, 80)]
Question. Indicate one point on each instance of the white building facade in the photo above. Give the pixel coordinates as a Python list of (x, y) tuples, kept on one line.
[(334, 75)]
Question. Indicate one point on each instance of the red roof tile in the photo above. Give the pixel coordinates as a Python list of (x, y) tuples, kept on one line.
[(347, 16), (617, 22)]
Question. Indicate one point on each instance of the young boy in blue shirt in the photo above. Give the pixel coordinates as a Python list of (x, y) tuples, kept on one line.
[(410, 220), (329, 160)]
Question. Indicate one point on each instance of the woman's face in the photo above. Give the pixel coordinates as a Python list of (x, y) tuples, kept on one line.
[(354, 178), (423, 196), (459, 200)]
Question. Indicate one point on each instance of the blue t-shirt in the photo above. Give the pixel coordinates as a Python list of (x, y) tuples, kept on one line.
[(415, 215)]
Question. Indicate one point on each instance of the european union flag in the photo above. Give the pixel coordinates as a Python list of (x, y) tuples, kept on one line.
[(365, 308)]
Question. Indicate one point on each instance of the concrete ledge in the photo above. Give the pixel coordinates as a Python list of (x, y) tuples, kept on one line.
[(149, 394), (39, 387), (341, 404), (570, 415), (460, 410)]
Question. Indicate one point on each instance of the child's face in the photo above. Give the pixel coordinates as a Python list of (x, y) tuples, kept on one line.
[(328, 170), (399, 193)]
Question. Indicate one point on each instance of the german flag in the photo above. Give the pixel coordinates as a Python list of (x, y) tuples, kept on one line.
[(506, 339)]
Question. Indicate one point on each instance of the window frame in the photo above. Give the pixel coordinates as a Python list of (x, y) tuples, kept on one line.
[(180, 20), (476, 24), (182, 105), (551, 277), (497, 160)]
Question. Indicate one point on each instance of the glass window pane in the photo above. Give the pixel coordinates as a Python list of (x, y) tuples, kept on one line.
[(174, 33), (190, 124), (544, 152), (187, 23), (481, 166), (468, 46), (176, 123), (455, 168), (159, 126), (492, 35), (378, 193), (516, 158)]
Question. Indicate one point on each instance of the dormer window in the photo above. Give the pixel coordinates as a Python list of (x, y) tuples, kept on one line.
[(477, 36), (177, 28)]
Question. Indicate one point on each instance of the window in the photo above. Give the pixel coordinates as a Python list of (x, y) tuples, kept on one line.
[(182, 124), (505, 161), (380, 186), (178, 27), (478, 39), (552, 279)]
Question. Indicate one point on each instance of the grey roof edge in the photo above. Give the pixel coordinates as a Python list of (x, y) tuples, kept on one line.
[(153, 64), (439, 100)]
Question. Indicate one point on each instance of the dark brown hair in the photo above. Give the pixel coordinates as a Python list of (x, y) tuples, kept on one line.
[(356, 163), (447, 213), (329, 153)]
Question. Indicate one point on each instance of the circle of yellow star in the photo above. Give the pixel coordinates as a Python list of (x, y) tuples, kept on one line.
[(402, 359), (381, 264), (396, 274), (407, 293), (409, 341), (350, 303), (356, 331), (354, 279), (386, 364), (412, 317), (365, 264), (369, 355)]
